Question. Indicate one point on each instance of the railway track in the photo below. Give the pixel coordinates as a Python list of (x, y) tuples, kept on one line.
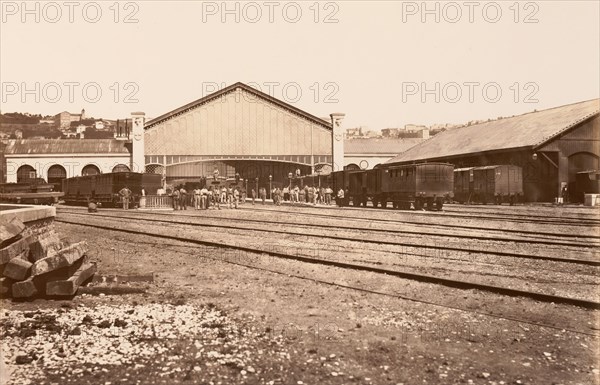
[(450, 213), (552, 235), (426, 278), (445, 247), (582, 220)]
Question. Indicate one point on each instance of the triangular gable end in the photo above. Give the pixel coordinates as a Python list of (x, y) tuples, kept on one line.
[(232, 88)]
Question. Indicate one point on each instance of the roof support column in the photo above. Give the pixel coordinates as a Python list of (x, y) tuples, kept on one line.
[(563, 172), (337, 142), (138, 160)]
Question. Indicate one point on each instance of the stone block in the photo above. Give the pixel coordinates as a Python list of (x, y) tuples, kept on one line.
[(10, 230), (24, 289), (17, 269), (5, 285), (69, 287), (63, 258), (15, 249), (44, 247)]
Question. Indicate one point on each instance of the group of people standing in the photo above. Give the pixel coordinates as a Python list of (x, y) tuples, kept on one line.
[(307, 194), (215, 196), (205, 198)]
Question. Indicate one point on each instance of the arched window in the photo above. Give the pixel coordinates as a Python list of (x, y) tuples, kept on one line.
[(25, 172), (56, 174), (120, 168), (90, 169), (352, 167)]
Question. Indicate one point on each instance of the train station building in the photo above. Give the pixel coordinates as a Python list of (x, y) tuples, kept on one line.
[(550, 145), (242, 131)]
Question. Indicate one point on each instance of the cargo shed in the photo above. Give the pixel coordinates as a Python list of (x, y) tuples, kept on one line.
[(551, 146)]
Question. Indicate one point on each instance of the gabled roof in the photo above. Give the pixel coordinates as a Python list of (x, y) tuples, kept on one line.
[(528, 130), (65, 146), (379, 146), (231, 88)]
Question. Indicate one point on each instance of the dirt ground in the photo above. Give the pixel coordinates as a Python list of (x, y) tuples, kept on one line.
[(207, 321)]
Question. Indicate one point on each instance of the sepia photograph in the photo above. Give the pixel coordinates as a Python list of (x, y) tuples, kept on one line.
[(304, 192)]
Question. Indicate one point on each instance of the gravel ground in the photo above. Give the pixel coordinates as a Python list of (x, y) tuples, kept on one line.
[(563, 282), (219, 322)]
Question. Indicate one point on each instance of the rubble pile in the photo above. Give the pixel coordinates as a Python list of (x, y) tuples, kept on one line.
[(36, 265), (168, 339)]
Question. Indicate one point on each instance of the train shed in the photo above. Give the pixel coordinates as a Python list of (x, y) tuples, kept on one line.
[(550, 145), (238, 131)]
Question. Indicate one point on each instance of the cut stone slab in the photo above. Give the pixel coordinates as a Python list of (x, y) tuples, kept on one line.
[(10, 230), (69, 287), (64, 258), (24, 289), (44, 247), (17, 269), (15, 249), (5, 287)]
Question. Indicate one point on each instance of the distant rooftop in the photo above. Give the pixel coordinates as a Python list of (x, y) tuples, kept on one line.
[(65, 146)]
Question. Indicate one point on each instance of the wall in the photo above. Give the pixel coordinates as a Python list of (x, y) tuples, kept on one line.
[(366, 161), (238, 123)]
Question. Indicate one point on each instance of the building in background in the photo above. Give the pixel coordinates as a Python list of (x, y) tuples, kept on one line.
[(370, 153), (57, 159), (64, 119)]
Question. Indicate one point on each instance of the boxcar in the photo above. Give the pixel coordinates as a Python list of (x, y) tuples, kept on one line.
[(498, 183), (104, 188), (340, 180), (463, 184), (420, 185)]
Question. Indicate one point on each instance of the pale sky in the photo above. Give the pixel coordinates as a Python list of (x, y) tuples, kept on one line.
[(369, 59)]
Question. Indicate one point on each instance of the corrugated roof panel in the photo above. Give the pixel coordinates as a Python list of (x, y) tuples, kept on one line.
[(530, 129), (66, 146)]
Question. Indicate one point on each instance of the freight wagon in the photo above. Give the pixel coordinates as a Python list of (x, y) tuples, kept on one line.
[(104, 188), (425, 185), (497, 184), (33, 191)]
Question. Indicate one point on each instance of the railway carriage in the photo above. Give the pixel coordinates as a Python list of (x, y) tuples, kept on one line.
[(497, 183), (425, 185), (104, 188)]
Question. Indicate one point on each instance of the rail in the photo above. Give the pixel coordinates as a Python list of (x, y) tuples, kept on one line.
[(156, 202)]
